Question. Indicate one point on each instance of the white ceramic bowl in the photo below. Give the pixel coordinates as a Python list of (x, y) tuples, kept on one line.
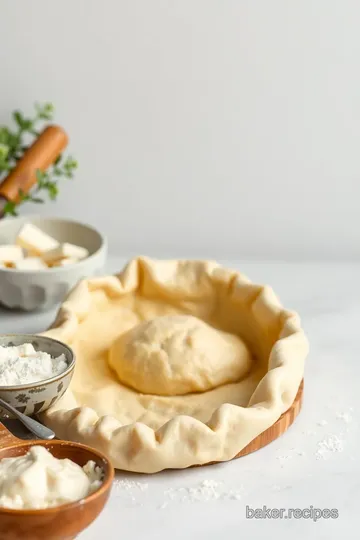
[(42, 289), (33, 398)]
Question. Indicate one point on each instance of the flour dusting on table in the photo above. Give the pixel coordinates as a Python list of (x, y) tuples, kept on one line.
[(346, 417), (331, 444), (207, 490), (130, 488)]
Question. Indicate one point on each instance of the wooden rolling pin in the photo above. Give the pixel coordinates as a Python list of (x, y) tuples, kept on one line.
[(40, 155)]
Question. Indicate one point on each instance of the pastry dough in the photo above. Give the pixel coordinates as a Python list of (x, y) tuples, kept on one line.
[(146, 432), (178, 354)]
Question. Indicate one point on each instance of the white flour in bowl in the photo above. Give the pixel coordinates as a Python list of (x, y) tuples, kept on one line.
[(23, 365)]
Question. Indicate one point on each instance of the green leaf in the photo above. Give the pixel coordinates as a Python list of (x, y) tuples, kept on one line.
[(27, 125), (23, 196), (24, 124), (4, 166), (13, 141), (40, 175), (4, 150), (4, 135), (18, 118), (53, 190), (36, 200), (70, 163), (12, 148), (10, 209), (45, 111)]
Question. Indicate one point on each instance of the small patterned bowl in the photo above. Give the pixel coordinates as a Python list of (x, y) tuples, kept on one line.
[(33, 398)]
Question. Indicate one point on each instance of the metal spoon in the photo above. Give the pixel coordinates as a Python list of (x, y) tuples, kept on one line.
[(40, 431)]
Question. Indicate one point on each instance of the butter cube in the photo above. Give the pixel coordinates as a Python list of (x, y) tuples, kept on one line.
[(26, 349), (10, 254), (6, 264), (65, 262), (65, 251), (30, 263), (35, 240)]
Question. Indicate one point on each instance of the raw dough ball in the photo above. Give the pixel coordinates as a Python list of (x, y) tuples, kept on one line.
[(178, 354)]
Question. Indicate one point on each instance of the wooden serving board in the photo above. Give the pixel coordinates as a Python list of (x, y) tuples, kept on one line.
[(269, 435), (273, 432)]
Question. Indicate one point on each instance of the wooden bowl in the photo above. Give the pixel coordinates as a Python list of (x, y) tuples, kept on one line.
[(61, 522)]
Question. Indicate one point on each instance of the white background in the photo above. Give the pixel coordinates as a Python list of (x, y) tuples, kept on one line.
[(223, 129), (203, 128)]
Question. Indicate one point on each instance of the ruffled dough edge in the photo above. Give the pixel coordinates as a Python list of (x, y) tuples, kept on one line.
[(183, 441)]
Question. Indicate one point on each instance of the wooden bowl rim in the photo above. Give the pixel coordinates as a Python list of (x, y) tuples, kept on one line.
[(105, 485)]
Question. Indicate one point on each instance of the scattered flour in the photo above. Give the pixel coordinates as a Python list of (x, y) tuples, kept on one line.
[(346, 417), (332, 444), (322, 423), (129, 488), (294, 452), (276, 487), (208, 490), (309, 433), (284, 457)]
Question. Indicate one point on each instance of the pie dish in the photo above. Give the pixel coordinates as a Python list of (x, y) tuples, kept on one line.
[(219, 358)]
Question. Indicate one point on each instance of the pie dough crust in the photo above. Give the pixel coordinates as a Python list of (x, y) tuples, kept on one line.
[(173, 355), (148, 433)]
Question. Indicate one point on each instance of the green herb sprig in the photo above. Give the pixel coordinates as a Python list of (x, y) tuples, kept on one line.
[(13, 145)]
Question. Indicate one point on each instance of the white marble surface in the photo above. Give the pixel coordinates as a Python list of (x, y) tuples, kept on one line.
[(296, 471)]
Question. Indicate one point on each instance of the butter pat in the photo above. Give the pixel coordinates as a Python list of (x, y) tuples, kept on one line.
[(10, 254), (65, 262), (65, 251), (26, 349), (35, 240), (30, 263), (6, 264)]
